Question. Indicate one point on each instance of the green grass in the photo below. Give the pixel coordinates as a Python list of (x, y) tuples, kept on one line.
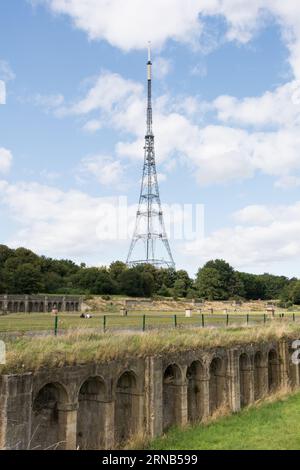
[(85, 346), (271, 426), (22, 322)]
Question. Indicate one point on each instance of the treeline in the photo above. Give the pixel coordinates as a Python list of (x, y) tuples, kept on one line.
[(24, 272)]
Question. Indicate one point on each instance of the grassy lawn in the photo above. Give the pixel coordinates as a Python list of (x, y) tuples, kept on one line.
[(21, 322), (270, 426)]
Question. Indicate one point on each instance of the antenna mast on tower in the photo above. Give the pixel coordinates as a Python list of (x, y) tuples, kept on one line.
[(150, 244)]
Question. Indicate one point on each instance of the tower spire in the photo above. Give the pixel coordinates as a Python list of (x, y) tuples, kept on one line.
[(149, 76), (149, 228)]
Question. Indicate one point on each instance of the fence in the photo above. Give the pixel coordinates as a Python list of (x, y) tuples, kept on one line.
[(41, 324)]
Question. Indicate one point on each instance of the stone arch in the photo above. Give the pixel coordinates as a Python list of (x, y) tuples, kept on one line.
[(260, 371), (273, 370), (91, 414), (127, 409), (48, 429), (195, 391), (245, 379), (217, 383), (172, 379)]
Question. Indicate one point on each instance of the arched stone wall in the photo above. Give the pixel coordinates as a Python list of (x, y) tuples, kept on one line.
[(91, 415), (127, 407), (217, 383), (273, 370), (172, 380), (97, 406), (260, 375), (47, 428), (245, 376), (195, 391)]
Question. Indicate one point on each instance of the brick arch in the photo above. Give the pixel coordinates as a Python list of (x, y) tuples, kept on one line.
[(172, 380), (273, 370), (245, 382), (195, 376), (90, 433), (217, 382), (127, 405), (47, 426), (260, 374)]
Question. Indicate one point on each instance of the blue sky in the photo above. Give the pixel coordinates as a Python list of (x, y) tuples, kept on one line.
[(226, 122)]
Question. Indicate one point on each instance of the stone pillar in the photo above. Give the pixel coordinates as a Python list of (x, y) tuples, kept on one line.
[(283, 355), (63, 307), (205, 395), (67, 425), (15, 411), (26, 304), (265, 382), (46, 304), (5, 303), (251, 384), (182, 405), (233, 381), (123, 312), (154, 396), (109, 425)]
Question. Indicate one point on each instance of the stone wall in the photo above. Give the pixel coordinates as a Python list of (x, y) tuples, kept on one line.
[(100, 406), (39, 303)]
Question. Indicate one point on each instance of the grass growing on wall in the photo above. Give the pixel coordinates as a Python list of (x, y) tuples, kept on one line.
[(269, 426), (26, 354)]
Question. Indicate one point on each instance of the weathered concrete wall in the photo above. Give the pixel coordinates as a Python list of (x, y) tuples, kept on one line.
[(99, 406), (39, 303)]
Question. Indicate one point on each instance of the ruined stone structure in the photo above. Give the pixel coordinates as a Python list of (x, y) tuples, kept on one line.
[(39, 303), (99, 406)]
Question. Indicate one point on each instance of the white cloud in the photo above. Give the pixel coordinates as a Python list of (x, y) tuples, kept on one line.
[(58, 223), (110, 20), (5, 160), (161, 67), (2, 92), (92, 126), (106, 170), (255, 214), (287, 182), (6, 72), (214, 153), (48, 102), (182, 21), (279, 108), (265, 236)]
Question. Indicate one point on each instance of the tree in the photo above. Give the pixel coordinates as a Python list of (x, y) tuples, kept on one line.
[(273, 285), (217, 280), (130, 282), (179, 289), (253, 286), (27, 279), (164, 291)]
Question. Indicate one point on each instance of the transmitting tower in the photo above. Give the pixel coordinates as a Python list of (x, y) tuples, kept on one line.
[(150, 244)]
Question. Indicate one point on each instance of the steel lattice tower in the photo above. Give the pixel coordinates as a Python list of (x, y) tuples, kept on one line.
[(149, 228)]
